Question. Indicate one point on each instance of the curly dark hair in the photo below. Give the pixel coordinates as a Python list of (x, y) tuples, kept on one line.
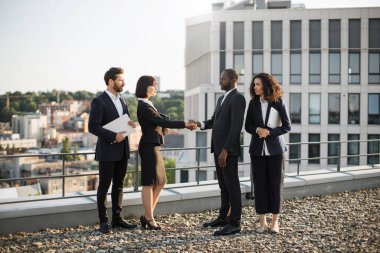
[(142, 86), (272, 90)]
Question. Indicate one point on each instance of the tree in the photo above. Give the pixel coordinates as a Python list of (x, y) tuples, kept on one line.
[(170, 164), (66, 149)]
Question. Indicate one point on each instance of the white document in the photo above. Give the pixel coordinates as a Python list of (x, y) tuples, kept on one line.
[(119, 125), (274, 119)]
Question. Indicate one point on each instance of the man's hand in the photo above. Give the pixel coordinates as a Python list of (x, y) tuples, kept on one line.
[(120, 137), (222, 159), (190, 124), (132, 123)]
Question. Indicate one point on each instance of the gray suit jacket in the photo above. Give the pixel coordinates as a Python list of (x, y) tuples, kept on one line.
[(226, 124)]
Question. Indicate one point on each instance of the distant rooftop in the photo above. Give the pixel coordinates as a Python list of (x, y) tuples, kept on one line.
[(255, 4)]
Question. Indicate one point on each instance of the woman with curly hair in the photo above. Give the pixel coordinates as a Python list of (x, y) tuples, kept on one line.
[(267, 146)]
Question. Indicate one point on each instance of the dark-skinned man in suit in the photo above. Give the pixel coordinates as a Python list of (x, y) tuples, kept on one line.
[(226, 124), (112, 149)]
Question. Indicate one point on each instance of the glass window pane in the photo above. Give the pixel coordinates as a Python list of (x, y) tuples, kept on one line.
[(315, 68), (314, 149), (373, 148), (239, 66), (353, 148), (295, 108), (295, 68), (184, 176), (257, 35), (334, 33), (314, 108), (276, 34), (201, 141), (353, 108), (315, 34), (222, 61), (373, 108), (294, 150), (334, 67), (354, 33), (238, 35), (295, 34), (374, 35), (334, 108), (222, 42), (374, 68), (354, 68), (276, 62), (257, 63), (333, 148)]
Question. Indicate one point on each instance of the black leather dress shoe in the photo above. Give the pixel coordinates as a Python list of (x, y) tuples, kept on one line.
[(218, 222), (123, 224), (105, 228), (228, 230)]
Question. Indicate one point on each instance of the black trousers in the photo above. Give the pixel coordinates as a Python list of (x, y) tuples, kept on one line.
[(115, 172), (268, 181), (229, 185)]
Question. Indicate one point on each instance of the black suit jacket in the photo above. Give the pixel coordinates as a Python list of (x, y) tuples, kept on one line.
[(103, 111), (152, 124), (226, 124), (275, 142)]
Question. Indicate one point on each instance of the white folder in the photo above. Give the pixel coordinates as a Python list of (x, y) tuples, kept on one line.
[(274, 119), (119, 125)]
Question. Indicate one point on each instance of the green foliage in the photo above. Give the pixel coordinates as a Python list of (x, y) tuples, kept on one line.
[(169, 165), (66, 149)]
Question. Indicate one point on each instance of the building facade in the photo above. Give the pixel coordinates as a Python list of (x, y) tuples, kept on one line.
[(327, 61)]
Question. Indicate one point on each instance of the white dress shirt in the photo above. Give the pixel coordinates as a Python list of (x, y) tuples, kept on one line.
[(224, 97), (264, 109), (116, 101)]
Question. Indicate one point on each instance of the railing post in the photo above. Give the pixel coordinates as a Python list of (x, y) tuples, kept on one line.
[(198, 163), (136, 173), (299, 159), (339, 156), (63, 176)]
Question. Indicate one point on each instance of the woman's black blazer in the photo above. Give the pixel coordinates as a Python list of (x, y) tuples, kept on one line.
[(275, 142), (152, 124)]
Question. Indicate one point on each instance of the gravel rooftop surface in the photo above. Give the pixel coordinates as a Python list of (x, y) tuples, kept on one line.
[(344, 222)]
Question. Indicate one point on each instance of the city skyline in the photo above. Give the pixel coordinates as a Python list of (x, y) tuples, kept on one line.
[(68, 45)]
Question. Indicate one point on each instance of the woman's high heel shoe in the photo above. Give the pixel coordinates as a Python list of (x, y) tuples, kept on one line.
[(146, 223)]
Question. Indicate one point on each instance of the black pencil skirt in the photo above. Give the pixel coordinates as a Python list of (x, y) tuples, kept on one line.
[(152, 165)]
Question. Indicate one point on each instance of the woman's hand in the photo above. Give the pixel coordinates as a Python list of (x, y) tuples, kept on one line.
[(132, 123), (166, 131), (190, 124), (262, 132)]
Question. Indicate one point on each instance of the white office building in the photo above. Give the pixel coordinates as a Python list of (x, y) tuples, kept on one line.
[(327, 61)]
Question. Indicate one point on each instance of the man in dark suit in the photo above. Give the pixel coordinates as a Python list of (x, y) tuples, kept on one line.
[(226, 124), (112, 149)]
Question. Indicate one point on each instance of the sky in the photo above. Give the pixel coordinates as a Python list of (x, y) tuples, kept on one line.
[(69, 44)]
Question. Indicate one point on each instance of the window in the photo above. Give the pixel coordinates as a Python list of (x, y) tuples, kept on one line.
[(373, 148), (276, 35), (295, 68), (201, 174), (257, 66), (334, 108), (314, 34), (374, 67), (314, 108), (295, 108), (239, 66), (222, 47), (334, 67), (354, 67), (334, 33), (314, 149), (295, 34), (239, 49), (354, 31), (353, 148), (277, 66), (374, 108), (217, 96), (374, 35), (257, 47), (241, 157), (354, 108), (206, 106), (276, 46), (184, 176), (201, 141), (315, 68), (333, 148), (294, 150)]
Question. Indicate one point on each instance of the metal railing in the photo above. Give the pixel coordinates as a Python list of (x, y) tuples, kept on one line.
[(136, 168)]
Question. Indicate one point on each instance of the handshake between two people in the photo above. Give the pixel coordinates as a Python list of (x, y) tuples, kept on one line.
[(192, 124)]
